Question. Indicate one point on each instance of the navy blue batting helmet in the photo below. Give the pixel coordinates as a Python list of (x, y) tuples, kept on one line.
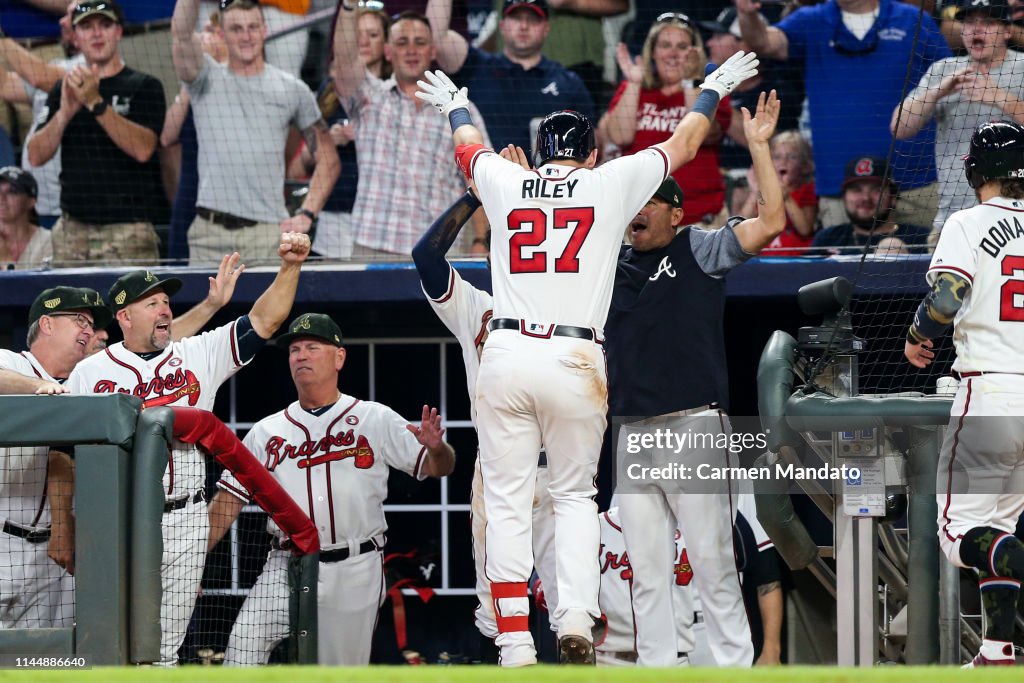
[(997, 151), (565, 134)]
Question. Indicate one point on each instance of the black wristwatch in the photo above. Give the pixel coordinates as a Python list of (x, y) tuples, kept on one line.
[(98, 108), (307, 213)]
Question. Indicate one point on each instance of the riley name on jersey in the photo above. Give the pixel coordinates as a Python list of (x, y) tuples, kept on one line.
[(538, 188)]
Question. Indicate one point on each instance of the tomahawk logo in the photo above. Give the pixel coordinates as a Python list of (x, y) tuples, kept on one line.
[(664, 267)]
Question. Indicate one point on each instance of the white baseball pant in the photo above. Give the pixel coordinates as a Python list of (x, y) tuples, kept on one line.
[(185, 532)]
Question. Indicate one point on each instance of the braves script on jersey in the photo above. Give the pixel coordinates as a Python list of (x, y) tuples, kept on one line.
[(186, 373), (985, 244), (557, 231), (335, 466)]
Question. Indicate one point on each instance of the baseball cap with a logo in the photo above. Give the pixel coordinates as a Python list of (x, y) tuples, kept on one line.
[(727, 22), (316, 325), (867, 168), (137, 284), (538, 6), (670, 192), (20, 179), (995, 9), (92, 8), (60, 299)]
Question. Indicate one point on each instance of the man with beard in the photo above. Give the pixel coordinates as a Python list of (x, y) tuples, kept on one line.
[(869, 197), (149, 365)]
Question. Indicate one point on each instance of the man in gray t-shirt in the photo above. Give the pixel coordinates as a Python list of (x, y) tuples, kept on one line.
[(961, 93), (243, 111)]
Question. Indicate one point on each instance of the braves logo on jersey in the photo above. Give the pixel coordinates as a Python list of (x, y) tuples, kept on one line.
[(170, 388), (614, 562), (683, 571), (279, 450)]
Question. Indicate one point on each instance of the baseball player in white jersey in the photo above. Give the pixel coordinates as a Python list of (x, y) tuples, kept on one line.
[(556, 234), (36, 483), (331, 453), (977, 280), (465, 311), (149, 365)]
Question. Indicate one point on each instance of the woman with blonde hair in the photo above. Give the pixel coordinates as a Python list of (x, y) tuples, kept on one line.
[(659, 89)]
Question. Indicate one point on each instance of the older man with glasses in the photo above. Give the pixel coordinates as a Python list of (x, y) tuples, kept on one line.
[(857, 56)]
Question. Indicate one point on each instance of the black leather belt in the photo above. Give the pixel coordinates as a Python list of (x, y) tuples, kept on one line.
[(225, 220), (30, 535), (342, 554), (558, 330), (172, 505)]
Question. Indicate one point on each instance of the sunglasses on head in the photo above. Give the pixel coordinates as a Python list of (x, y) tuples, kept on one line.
[(674, 16), (225, 4), (93, 6)]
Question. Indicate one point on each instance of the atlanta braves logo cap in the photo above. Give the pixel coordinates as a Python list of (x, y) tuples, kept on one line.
[(316, 325), (137, 284), (867, 168), (57, 299)]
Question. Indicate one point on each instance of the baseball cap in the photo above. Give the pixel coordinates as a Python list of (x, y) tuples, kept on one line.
[(867, 168), (57, 299), (316, 325), (670, 192), (136, 284), (996, 9), (90, 8), (20, 179), (538, 6), (727, 21)]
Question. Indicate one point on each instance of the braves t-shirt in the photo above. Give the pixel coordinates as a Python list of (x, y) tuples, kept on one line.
[(700, 179)]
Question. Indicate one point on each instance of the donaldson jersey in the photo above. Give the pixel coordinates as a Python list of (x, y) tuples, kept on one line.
[(465, 311), (556, 232), (335, 465), (985, 245), (616, 590), (186, 373), (23, 472)]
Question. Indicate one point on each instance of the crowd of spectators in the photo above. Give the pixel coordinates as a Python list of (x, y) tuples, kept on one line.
[(271, 124)]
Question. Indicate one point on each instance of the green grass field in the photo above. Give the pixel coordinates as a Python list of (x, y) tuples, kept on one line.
[(538, 674)]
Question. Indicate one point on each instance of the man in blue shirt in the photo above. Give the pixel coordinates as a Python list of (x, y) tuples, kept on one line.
[(514, 90), (855, 55)]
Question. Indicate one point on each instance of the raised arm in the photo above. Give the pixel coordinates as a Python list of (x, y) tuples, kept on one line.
[(911, 115), (186, 47), (174, 119), (767, 41), (619, 123), (273, 306), (691, 132), (222, 287), (754, 234), (452, 48), (348, 70), (34, 70), (439, 92), (429, 252), (591, 8)]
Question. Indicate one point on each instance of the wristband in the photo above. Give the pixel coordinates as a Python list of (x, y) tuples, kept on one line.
[(307, 213), (914, 337), (459, 117), (98, 108), (706, 104)]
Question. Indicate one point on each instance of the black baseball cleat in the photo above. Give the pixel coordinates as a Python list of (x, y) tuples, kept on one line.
[(576, 650)]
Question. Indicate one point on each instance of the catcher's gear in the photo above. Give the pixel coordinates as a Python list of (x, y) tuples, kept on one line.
[(564, 134), (441, 93), (735, 70), (997, 151)]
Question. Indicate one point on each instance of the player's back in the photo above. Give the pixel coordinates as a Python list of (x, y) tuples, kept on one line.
[(985, 244), (556, 232)]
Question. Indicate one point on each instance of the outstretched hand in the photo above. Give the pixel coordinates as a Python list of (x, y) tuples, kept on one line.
[(441, 93), (735, 70), (919, 355), (222, 287), (761, 126), (516, 155), (429, 433)]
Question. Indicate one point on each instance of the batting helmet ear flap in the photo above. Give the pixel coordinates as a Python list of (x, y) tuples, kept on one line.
[(997, 151)]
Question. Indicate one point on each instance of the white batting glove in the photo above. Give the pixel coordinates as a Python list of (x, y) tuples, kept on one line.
[(441, 93), (735, 70)]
